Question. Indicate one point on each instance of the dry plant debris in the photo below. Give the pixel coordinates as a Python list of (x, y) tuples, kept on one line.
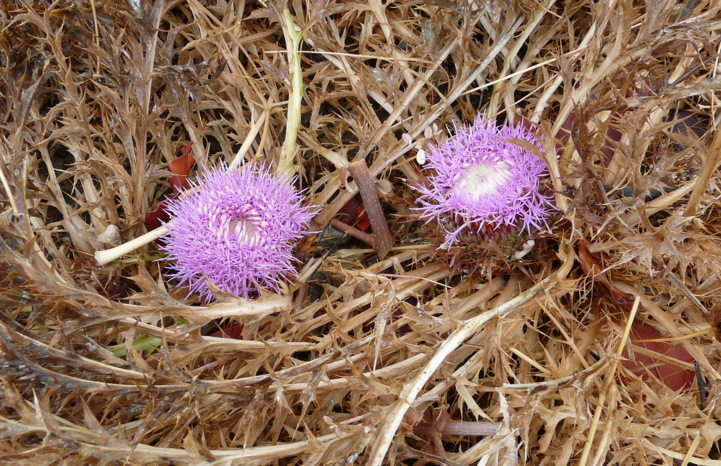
[(397, 354)]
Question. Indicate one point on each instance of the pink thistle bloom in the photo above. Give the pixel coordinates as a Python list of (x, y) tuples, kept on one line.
[(481, 180), (237, 228)]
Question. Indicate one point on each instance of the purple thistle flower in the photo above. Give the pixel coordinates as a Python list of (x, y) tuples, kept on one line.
[(237, 228), (482, 181)]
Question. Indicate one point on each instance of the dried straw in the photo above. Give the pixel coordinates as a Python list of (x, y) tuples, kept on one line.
[(382, 351)]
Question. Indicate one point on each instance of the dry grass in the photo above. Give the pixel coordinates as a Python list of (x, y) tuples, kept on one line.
[(400, 360)]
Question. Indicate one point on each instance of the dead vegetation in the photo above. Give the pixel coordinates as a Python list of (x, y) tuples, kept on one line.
[(403, 359)]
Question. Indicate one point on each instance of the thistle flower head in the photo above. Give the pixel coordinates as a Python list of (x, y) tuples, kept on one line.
[(483, 180), (237, 228)]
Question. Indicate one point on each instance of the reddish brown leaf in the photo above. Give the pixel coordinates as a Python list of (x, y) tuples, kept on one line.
[(674, 376), (592, 267), (525, 123), (155, 218), (183, 164), (181, 167), (232, 330), (179, 184), (354, 213)]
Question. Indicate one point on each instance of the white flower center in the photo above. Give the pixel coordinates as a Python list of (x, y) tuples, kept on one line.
[(480, 179), (244, 230)]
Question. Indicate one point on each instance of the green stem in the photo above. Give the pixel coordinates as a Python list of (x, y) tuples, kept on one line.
[(145, 344), (292, 40)]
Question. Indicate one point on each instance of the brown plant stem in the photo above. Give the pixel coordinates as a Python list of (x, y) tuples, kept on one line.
[(352, 231), (382, 238)]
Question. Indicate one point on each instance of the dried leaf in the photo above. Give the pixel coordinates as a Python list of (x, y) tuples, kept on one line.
[(644, 365), (232, 330), (354, 214), (592, 267), (155, 218), (181, 167)]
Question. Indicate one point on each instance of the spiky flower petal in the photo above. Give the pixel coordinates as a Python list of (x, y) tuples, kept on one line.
[(237, 228), (482, 178)]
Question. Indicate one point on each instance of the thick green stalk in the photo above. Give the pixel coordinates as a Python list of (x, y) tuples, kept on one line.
[(292, 40)]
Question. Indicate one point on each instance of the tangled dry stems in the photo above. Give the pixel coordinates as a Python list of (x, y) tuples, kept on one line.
[(114, 364)]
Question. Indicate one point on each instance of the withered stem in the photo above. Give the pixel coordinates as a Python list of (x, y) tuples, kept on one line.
[(352, 231), (382, 238)]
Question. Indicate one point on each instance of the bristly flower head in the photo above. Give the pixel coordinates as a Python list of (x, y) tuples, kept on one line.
[(237, 228), (483, 181)]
